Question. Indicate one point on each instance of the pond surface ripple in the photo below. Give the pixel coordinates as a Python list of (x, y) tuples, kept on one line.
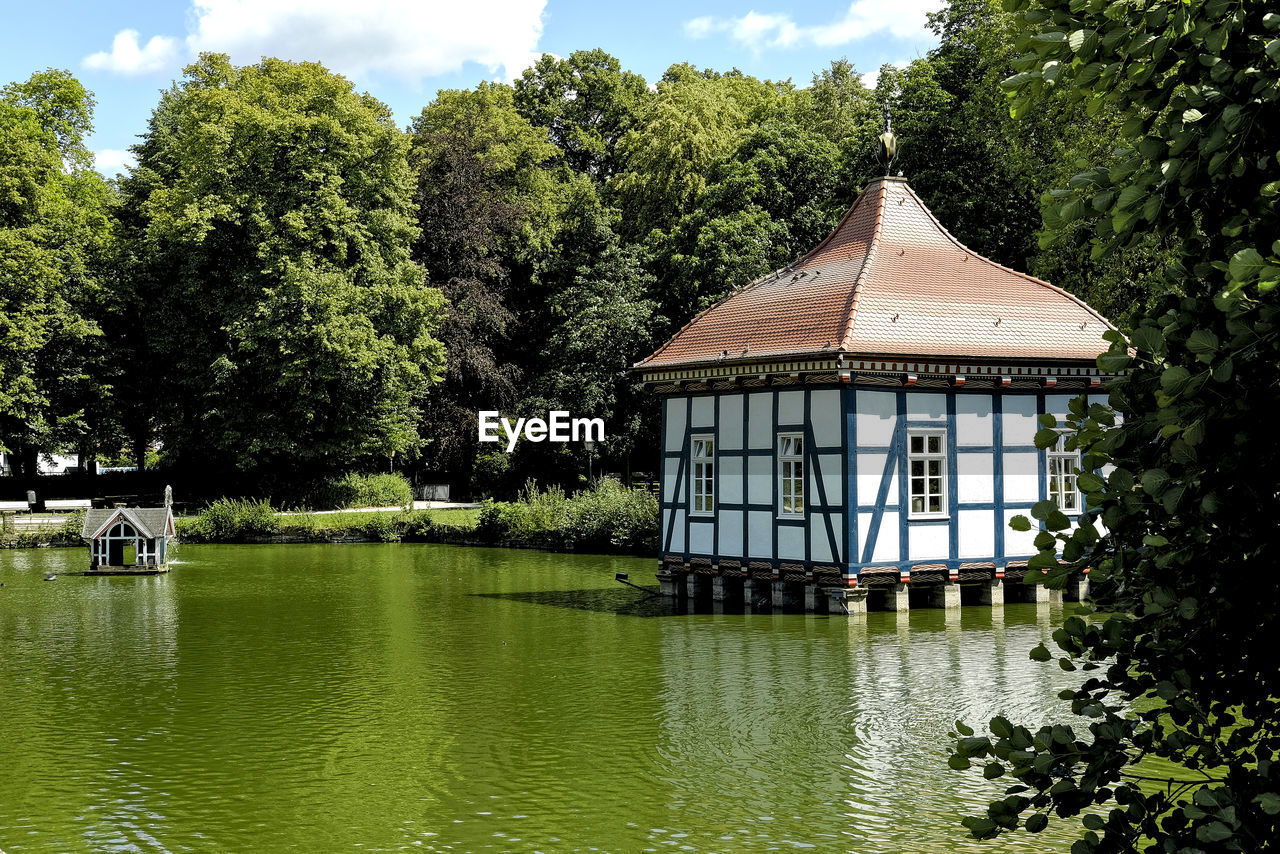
[(417, 697)]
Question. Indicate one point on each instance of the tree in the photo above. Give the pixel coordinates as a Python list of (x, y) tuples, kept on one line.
[(693, 121), (595, 319), (54, 231), (586, 103), (269, 223), (1183, 669), (486, 204), (775, 196)]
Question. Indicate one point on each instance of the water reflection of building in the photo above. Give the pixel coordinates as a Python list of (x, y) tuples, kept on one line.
[(865, 417), (845, 723)]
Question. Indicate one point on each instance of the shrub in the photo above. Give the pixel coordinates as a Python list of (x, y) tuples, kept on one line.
[(361, 490), (610, 517), (230, 520)]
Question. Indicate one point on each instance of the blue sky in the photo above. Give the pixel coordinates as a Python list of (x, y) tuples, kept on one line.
[(403, 51)]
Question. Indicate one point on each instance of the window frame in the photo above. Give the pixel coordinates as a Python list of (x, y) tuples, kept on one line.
[(1057, 451), (792, 459), (696, 478), (926, 456)]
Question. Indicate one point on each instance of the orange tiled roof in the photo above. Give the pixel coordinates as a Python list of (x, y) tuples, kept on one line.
[(890, 280)]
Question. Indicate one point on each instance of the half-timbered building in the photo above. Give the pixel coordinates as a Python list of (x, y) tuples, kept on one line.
[(864, 418)]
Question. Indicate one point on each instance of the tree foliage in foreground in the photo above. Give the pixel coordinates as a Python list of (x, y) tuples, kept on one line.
[(1182, 673)]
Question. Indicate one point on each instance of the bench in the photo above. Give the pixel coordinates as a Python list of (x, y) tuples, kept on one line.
[(68, 504), (13, 506)]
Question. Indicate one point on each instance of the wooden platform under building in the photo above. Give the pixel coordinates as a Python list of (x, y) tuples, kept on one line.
[(762, 586), (128, 570)]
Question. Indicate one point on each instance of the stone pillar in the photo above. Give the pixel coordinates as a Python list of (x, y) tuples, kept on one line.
[(992, 593), (843, 602), (667, 584), (900, 598), (718, 593), (815, 599), (1077, 588), (1040, 594), (696, 585), (784, 595), (951, 595), (752, 591), (945, 595)]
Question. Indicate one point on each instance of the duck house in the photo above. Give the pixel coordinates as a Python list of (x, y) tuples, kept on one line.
[(130, 540)]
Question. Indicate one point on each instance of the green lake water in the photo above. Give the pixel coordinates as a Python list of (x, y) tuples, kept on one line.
[(372, 697)]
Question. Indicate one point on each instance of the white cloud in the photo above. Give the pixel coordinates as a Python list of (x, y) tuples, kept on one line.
[(110, 161), (871, 78), (757, 31), (410, 39), (127, 57)]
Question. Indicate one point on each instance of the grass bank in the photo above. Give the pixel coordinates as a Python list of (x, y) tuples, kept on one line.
[(60, 535), (609, 518)]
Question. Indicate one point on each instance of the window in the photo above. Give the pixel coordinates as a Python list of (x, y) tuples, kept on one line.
[(927, 464), (1063, 466), (791, 474), (704, 475)]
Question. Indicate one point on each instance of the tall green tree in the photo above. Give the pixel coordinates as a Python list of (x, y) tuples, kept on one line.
[(775, 196), (692, 122), (595, 318), (586, 102), (55, 229), (486, 207), (1182, 669), (279, 321)]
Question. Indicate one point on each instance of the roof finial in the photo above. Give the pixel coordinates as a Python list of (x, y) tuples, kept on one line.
[(888, 142)]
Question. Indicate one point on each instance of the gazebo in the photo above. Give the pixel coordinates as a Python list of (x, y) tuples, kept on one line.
[(129, 540), (865, 418)]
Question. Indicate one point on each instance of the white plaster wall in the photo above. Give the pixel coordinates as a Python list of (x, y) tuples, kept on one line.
[(870, 471), (790, 407), (974, 420), (977, 533), (677, 535), (928, 541), (831, 480), (1019, 419), (877, 412), (675, 423), (760, 415), (926, 406), (824, 413), (1021, 477), (760, 534), (759, 480), (704, 411), (790, 542), (1019, 543), (975, 478), (886, 546), (670, 467), (730, 476), (731, 422), (702, 537), (1058, 405), (819, 545), (730, 542)]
